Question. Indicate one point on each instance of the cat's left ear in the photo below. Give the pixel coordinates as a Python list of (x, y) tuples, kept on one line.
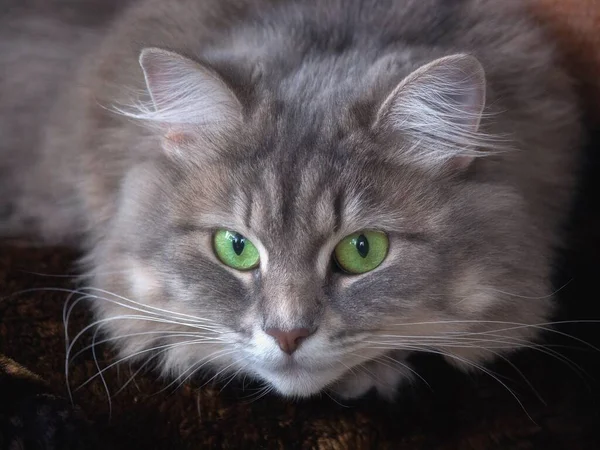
[(436, 112), (189, 100)]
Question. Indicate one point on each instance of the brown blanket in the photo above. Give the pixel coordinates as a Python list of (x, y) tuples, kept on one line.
[(545, 398)]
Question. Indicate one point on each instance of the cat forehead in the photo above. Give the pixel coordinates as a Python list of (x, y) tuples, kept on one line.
[(282, 202), (288, 179), (273, 203)]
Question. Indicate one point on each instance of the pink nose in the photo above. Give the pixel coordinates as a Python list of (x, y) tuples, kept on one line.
[(288, 341)]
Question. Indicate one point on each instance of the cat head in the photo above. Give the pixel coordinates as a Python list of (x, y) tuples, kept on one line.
[(293, 233)]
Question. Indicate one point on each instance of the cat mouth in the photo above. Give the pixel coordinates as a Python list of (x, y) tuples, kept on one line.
[(290, 365)]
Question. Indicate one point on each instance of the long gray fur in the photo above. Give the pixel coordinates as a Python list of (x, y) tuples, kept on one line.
[(85, 158)]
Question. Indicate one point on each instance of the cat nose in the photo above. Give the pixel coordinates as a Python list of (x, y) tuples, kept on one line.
[(289, 341)]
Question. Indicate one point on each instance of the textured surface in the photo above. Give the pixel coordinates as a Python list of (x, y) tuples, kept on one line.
[(472, 412)]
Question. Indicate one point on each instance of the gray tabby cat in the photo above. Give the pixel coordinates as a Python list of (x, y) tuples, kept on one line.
[(302, 191)]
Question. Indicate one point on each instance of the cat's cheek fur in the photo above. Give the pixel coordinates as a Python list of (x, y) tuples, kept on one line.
[(116, 290)]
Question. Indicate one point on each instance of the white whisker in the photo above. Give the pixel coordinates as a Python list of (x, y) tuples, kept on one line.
[(161, 334), (334, 400), (482, 369), (102, 376), (138, 353), (123, 317), (132, 377), (215, 377), (521, 374), (407, 367), (235, 374), (194, 368), (149, 308), (513, 326)]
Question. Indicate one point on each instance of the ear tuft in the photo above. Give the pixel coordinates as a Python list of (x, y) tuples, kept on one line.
[(437, 111), (185, 92), (188, 103)]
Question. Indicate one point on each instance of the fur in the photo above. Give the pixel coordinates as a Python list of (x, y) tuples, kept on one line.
[(449, 125)]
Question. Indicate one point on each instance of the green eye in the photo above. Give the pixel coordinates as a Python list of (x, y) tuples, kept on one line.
[(235, 251), (361, 252)]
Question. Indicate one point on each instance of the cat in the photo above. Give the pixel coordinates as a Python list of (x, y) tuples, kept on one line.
[(303, 192)]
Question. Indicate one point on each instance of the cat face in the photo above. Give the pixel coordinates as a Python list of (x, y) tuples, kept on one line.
[(296, 248)]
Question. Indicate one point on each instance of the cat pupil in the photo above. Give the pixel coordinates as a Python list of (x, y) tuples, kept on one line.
[(362, 246), (238, 242)]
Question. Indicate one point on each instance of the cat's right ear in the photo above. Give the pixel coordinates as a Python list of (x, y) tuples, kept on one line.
[(189, 101)]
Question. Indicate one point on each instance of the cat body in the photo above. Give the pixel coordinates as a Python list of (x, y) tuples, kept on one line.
[(448, 126)]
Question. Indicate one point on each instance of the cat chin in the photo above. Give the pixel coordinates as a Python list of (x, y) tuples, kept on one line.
[(384, 381), (299, 383), (382, 377)]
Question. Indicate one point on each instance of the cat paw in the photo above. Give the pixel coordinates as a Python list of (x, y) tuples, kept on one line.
[(382, 376)]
